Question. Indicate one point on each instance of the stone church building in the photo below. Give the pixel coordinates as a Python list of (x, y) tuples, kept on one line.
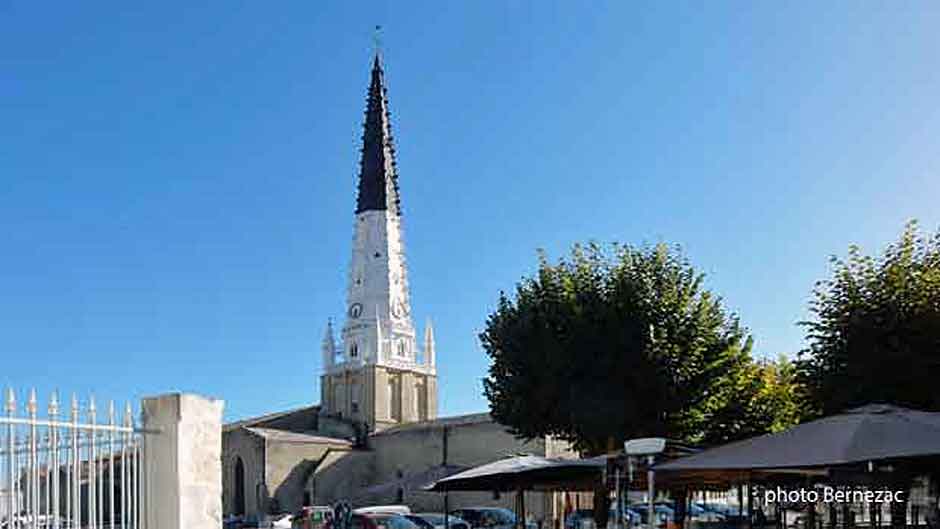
[(375, 437)]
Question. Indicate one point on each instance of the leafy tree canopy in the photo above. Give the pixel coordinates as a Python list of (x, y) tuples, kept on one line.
[(874, 334), (620, 342), (766, 397)]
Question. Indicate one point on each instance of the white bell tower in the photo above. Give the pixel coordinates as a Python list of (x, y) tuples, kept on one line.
[(377, 374)]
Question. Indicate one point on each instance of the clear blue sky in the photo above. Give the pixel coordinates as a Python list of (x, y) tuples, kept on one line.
[(177, 182)]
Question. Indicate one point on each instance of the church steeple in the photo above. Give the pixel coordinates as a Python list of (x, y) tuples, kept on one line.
[(378, 281), (378, 178), (379, 375)]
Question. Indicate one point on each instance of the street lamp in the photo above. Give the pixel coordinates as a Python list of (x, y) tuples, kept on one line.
[(649, 447)]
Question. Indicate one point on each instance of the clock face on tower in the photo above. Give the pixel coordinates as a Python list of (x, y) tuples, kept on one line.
[(355, 310), (399, 309)]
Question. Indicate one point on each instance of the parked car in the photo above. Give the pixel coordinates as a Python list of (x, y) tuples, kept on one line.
[(575, 519), (383, 509), (665, 516), (26, 520), (381, 521), (233, 522), (490, 518), (250, 522), (313, 517), (487, 517), (718, 508), (702, 514), (280, 521), (435, 520), (631, 516)]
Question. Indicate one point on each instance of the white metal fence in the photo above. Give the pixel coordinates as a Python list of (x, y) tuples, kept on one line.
[(73, 469)]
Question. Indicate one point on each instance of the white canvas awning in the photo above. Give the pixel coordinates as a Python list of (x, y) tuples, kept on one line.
[(527, 473)]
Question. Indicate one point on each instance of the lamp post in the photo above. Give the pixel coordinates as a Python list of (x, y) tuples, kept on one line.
[(649, 447)]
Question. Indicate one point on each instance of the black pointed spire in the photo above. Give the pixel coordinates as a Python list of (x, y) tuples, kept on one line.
[(378, 177)]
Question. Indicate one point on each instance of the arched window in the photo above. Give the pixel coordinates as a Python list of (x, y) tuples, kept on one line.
[(354, 350), (401, 348), (239, 503)]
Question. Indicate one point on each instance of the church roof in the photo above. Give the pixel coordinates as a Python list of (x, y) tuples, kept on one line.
[(440, 422), (378, 175), (268, 419), (296, 438)]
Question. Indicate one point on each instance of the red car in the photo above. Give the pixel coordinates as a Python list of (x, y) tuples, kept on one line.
[(377, 521)]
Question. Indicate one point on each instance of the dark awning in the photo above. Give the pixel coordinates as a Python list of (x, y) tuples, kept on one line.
[(869, 433)]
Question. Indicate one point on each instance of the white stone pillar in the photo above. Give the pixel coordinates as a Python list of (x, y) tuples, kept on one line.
[(182, 466)]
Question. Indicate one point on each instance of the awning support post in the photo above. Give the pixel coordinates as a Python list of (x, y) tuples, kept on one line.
[(446, 509), (750, 512), (651, 491)]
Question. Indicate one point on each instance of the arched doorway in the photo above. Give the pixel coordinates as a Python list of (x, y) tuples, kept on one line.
[(239, 486)]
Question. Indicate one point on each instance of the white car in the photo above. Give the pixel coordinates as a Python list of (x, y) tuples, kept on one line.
[(281, 521), (383, 509)]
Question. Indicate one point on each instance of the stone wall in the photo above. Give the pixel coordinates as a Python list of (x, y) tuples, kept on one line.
[(182, 465), (341, 475), (471, 440), (288, 469), (242, 445)]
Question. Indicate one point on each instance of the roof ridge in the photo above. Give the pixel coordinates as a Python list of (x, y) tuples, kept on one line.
[(288, 436), (248, 421), (440, 421)]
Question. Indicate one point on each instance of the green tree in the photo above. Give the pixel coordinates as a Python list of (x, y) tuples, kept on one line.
[(614, 343), (874, 335), (764, 397)]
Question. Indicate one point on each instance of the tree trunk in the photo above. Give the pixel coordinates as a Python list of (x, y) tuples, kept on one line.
[(681, 502), (899, 513), (899, 509), (601, 507)]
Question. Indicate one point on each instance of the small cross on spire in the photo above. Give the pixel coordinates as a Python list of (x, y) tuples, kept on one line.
[(377, 40)]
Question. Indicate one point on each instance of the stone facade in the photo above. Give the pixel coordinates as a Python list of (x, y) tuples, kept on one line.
[(287, 470), (266, 460), (243, 470), (380, 396)]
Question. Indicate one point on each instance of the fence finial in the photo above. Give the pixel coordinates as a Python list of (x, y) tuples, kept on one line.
[(11, 401), (92, 409), (128, 415), (54, 404), (111, 412), (31, 404), (74, 407)]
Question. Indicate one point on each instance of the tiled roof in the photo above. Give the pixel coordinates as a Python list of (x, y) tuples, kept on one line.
[(456, 420), (293, 437), (251, 421)]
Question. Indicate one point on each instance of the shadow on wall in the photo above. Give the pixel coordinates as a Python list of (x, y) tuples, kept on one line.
[(290, 494), (265, 502), (340, 475)]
